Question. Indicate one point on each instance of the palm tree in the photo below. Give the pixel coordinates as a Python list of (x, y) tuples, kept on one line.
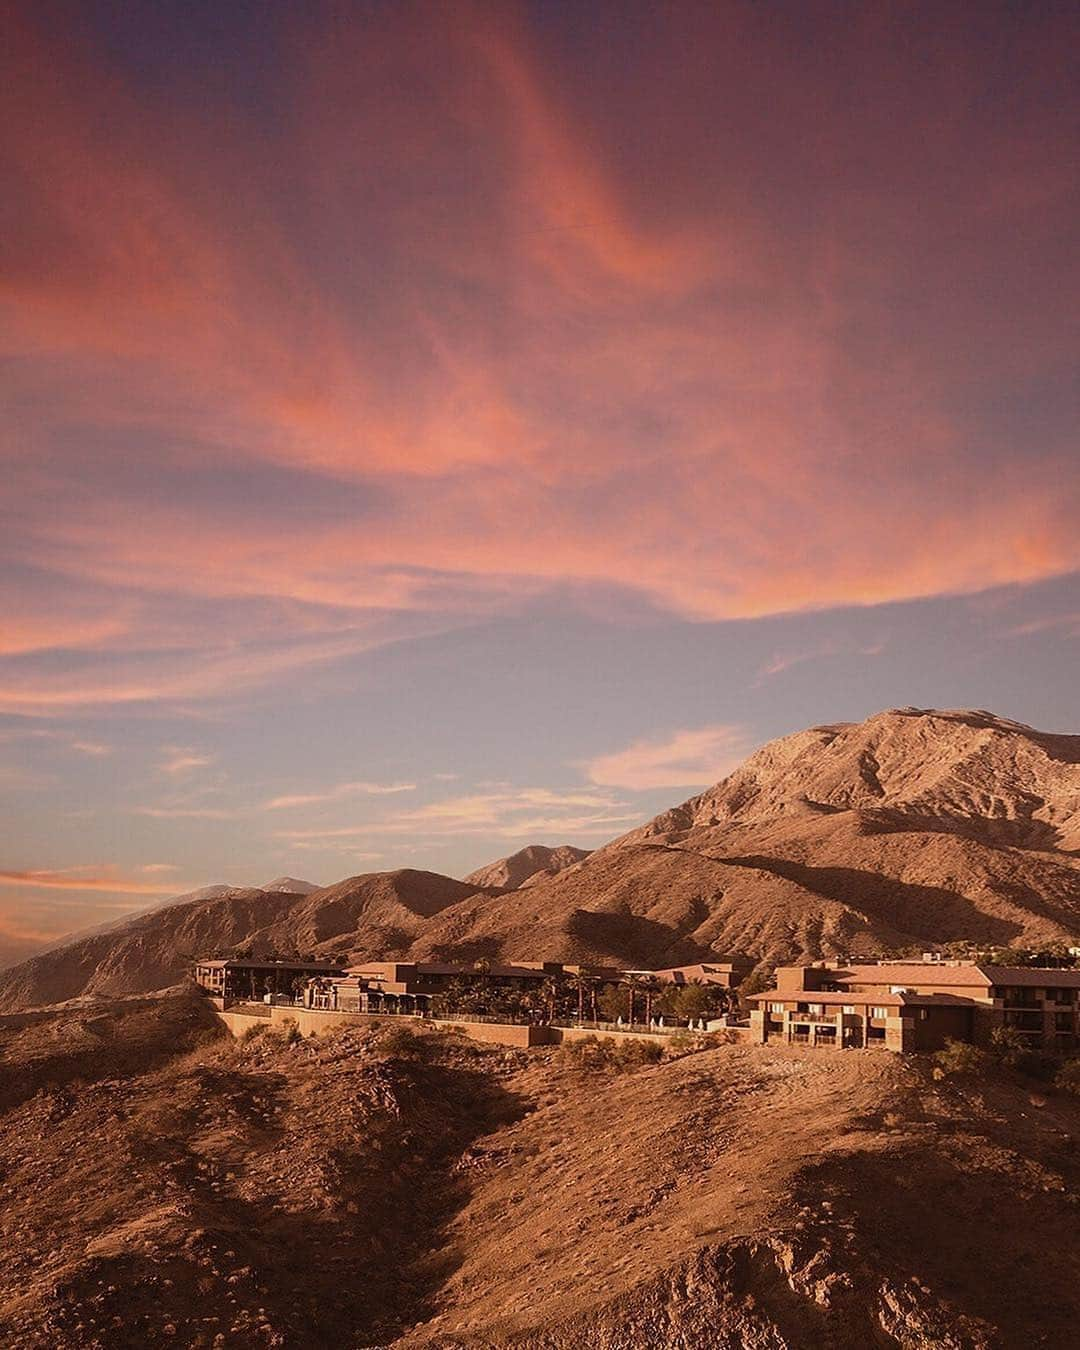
[(633, 983), (550, 992), (650, 986), (585, 983)]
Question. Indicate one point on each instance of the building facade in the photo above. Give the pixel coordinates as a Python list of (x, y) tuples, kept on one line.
[(918, 1005), (252, 979)]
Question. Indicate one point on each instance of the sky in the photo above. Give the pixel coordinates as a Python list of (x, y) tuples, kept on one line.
[(431, 429)]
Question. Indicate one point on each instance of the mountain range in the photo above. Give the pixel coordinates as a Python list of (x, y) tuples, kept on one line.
[(912, 829)]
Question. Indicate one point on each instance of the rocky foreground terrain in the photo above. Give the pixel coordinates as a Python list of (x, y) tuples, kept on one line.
[(162, 1184), (908, 830)]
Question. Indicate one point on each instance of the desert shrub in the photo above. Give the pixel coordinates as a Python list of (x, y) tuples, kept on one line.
[(1036, 1064), (400, 1042), (293, 1034), (636, 1054), (1015, 1052), (609, 1055), (587, 1052), (1008, 1045), (958, 1057), (1068, 1077), (252, 1033), (683, 1043)]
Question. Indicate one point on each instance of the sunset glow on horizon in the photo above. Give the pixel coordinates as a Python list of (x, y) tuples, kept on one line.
[(435, 429)]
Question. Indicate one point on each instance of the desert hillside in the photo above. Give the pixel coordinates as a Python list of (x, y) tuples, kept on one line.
[(163, 1184), (908, 830), (527, 866), (368, 915)]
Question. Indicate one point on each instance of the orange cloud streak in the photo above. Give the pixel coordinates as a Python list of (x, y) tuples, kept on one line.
[(535, 379)]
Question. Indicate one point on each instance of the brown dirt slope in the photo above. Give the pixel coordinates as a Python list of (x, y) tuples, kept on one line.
[(910, 829), (527, 866), (369, 1188)]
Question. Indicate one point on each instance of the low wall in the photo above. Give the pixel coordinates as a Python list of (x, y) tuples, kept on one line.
[(559, 1035), (315, 1021)]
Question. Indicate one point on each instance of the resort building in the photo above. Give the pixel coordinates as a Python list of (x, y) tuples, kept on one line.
[(727, 971), (409, 986), (908, 1006), (253, 978)]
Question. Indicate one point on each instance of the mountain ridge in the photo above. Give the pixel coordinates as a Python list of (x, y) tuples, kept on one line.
[(909, 830)]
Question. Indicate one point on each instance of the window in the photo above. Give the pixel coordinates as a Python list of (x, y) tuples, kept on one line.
[(815, 1007), (849, 1007), (1063, 1021), (879, 1012), (776, 1007)]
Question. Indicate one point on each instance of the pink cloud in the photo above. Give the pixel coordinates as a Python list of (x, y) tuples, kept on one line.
[(606, 362), (696, 757), (83, 879)]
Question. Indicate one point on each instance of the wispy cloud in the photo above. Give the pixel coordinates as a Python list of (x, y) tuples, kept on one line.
[(180, 759), (342, 850), (783, 661), (83, 879), (1067, 624), (686, 758), (96, 749), (188, 812), (435, 453), (511, 813), (341, 792)]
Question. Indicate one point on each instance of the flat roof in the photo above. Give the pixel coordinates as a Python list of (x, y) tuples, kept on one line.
[(977, 975), (268, 963), (842, 997)]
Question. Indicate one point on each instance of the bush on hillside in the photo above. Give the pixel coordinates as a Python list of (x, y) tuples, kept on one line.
[(1068, 1077), (593, 1055), (1015, 1052), (400, 1042), (958, 1057)]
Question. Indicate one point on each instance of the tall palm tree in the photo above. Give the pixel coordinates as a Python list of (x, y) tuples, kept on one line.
[(650, 986), (633, 983), (550, 992), (585, 984)]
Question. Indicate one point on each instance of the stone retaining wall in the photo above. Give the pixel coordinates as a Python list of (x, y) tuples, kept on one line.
[(314, 1021)]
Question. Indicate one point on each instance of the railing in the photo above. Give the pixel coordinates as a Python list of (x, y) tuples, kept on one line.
[(637, 1028), (250, 1009)]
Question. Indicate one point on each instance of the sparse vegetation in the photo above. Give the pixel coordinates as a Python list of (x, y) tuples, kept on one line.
[(609, 1055), (957, 1058), (1068, 1077), (399, 1041)]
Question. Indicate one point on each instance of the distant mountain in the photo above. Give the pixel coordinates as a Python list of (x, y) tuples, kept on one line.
[(528, 866), (363, 916), (280, 885), (290, 886), (911, 829)]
